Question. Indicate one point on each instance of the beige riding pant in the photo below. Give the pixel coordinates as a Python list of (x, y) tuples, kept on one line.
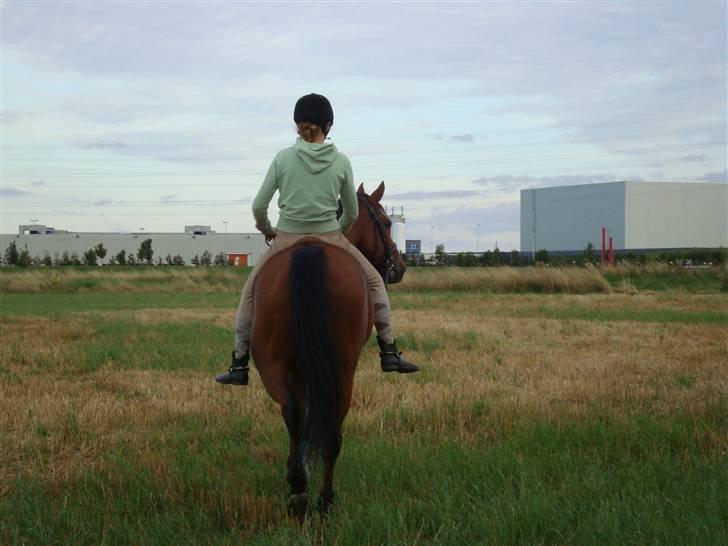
[(382, 312)]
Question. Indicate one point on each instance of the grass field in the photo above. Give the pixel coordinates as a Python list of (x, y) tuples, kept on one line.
[(554, 407)]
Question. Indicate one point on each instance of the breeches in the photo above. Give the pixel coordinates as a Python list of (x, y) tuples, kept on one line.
[(382, 312)]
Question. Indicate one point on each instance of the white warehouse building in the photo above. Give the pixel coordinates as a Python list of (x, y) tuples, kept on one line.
[(240, 248), (639, 216)]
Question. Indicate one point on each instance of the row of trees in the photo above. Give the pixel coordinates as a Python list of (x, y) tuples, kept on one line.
[(143, 256), (496, 257)]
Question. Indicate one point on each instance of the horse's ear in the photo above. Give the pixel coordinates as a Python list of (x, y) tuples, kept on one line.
[(360, 189), (378, 193)]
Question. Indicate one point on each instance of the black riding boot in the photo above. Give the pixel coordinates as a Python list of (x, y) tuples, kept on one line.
[(392, 360), (238, 372)]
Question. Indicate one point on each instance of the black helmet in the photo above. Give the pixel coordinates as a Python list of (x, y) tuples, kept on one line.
[(314, 108)]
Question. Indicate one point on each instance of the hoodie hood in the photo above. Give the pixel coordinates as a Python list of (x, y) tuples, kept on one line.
[(316, 157)]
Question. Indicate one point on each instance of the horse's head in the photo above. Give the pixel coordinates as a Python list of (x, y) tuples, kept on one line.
[(371, 235)]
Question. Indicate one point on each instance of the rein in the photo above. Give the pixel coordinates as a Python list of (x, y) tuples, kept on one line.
[(389, 250)]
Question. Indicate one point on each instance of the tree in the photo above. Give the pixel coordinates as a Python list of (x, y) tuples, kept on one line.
[(75, 260), (195, 260), (120, 257), (542, 256), (24, 258), (100, 250), (145, 254), (221, 259), (47, 258), (515, 257), (11, 254), (440, 256), (497, 257), (65, 258), (587, 256), (89, 257), (206, 258), (178, 260), (131, 260)]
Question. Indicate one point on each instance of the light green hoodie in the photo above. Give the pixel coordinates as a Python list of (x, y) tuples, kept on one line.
[(309, 178)]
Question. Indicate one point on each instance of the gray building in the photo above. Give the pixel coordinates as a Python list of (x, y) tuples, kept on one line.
[(240, 248), (638, 215)]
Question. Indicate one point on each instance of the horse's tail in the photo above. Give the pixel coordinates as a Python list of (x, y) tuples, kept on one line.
[(315, 348)]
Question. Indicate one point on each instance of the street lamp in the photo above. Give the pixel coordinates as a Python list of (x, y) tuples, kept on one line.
[(477, 237), (225, 222), (432, 239)]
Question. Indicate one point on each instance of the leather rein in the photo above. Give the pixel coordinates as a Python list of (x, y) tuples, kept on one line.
[(381, 231)]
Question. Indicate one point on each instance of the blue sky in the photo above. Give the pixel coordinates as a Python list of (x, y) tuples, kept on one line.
[(123, 115)]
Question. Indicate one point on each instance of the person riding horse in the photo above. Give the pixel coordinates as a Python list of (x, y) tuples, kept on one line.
[(310, 177)]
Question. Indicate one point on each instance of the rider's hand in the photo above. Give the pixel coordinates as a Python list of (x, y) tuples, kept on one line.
[(270, 237)]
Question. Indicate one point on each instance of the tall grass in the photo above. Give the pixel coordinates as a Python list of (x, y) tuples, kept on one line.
[(567, 280), (127, 279)]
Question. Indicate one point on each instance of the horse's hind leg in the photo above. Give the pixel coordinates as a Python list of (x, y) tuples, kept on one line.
[(297, 474), (329, 456)]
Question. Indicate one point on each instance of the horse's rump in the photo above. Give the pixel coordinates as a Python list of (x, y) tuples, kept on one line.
[(272, 335)]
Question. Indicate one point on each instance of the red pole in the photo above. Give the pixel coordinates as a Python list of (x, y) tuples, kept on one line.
[(604, 236), (611, 252)]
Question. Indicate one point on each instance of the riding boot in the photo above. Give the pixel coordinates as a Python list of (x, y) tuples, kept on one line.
[(238, 372), (392, 360)]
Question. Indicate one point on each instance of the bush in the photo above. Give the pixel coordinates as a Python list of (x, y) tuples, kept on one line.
[(221, 259)]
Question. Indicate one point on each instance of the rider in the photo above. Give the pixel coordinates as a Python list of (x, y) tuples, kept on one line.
[(310, 176)]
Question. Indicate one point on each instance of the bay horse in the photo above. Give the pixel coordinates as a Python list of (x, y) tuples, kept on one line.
[(312, 316)]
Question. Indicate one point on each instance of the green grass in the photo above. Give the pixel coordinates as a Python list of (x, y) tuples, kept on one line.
[(594, 481), (167, 345), (60, 304), (576, 312)]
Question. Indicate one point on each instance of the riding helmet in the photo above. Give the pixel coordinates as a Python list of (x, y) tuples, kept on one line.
[(314, 108)]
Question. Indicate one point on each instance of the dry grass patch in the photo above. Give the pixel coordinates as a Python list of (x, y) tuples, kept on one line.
[(484, 372)]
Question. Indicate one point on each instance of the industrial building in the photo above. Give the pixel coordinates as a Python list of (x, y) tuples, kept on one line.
[(240, 248), (243, 249), (639, 216)]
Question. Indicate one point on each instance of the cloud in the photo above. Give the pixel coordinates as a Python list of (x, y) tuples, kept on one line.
[(168, 198), (101, 145), (695, 158), (424, 195), (13, 192), (462, 138), (462, 227), (38, 183), (721, 177), (507, 182), (9, 117)]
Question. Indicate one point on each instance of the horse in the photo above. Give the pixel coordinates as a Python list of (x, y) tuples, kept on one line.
[(312, 316)]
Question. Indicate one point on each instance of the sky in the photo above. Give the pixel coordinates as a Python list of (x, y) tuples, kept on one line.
[(129, 116)]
